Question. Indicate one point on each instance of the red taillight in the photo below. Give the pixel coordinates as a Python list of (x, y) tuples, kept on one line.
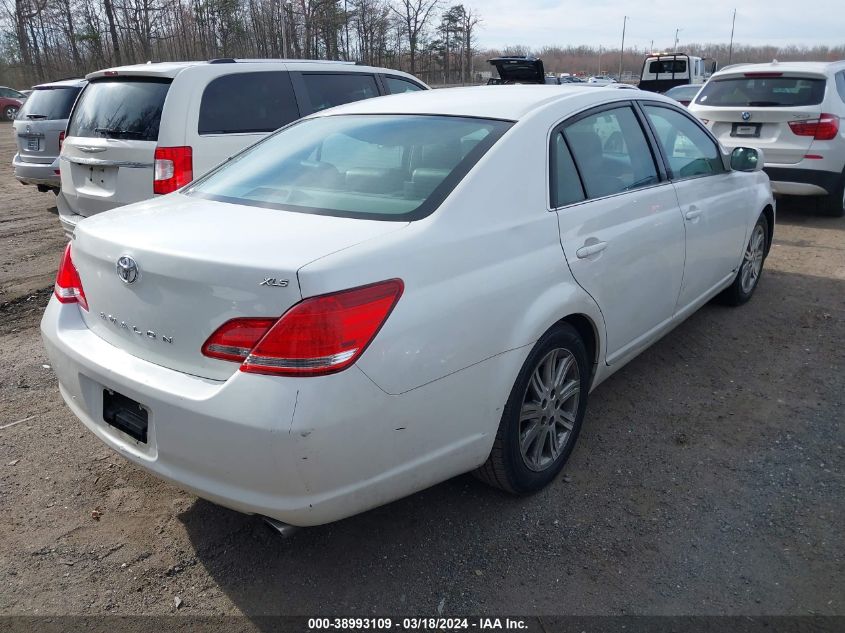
[(825, 128), (174, 168), (61, 139), (68, 287), (317, 336)]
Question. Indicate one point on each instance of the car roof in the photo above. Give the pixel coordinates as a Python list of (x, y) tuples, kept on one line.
[(171, 69), (69, 83), (821, 68), (510, 103)]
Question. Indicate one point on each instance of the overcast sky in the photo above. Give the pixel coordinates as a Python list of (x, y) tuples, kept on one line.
[(561, 22)]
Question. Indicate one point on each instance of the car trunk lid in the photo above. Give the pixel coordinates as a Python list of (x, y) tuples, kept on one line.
[(521, 70), (199, 264)]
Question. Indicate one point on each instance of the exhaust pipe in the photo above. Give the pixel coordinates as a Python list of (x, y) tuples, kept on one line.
[(285, 529)]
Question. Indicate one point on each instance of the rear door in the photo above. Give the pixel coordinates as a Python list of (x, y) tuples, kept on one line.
[(41, 121), (712, 199), (620, 227), (109, 152), (237, 110), (320, 90), (756, 109)]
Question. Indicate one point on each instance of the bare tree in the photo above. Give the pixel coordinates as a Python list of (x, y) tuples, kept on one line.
[(415, 16)]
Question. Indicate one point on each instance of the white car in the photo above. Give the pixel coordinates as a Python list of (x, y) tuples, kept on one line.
[(794, 111), (379, 297), (601, 80), (147, 129)]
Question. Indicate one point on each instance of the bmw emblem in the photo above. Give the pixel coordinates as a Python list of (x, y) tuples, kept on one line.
[(127, 270), (746, 116)]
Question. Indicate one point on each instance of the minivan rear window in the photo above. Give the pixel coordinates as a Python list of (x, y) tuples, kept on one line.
[(382, 167), (120, 108), (49, 104), (762, 92)]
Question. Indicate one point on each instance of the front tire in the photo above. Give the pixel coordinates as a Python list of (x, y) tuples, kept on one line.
[(543, 415), (751, 268)]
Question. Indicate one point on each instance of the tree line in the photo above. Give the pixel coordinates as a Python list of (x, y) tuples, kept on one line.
[(44, 40)]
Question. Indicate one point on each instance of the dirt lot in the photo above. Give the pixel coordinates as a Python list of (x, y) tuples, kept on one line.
[(708, 479)]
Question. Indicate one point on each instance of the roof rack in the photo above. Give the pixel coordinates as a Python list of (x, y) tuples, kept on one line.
[(233, 60)]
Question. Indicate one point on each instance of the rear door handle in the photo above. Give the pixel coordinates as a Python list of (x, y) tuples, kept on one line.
[(590, 249), (692, 213)]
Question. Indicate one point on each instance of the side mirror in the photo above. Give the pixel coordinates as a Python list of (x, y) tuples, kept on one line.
[(746, 159)]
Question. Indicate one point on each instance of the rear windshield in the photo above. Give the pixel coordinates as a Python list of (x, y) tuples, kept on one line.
[(383, 167), (49, 104), (121, 108), (762, 92), (667, 66)]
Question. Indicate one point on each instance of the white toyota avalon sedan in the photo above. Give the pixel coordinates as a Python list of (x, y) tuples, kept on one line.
[(394, 292)]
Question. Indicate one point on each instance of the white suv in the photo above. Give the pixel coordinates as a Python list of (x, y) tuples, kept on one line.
[(148, 129), (792, 111)]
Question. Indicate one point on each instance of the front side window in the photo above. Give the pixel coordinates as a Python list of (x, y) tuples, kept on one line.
[(611, 152), (50, 104), (247, 103), (689, 150), (396, 85), (122, 108), (327, 90), (762, 92), (383, 167)]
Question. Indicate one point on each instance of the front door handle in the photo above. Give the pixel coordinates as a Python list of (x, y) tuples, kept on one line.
[(590, 249), (693, 213)]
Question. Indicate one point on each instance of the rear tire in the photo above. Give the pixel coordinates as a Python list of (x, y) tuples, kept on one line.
[(10, 112), (543, 415), (833, 204), (751, 268)]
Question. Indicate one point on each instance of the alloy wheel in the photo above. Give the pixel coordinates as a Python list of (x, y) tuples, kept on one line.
[(549, 409), (752, 262)]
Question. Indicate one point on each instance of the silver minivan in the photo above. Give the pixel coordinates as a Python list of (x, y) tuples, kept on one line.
[(39, 128), (149, 129)]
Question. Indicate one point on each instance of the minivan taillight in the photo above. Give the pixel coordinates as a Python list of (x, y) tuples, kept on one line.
[(825, 128), (174, 168), (61, 140), (317, 336), (68, 287)]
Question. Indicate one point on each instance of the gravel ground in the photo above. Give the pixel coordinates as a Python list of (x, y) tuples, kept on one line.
[(707, 480)]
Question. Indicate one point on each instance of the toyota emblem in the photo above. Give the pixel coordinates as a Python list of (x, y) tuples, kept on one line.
[(127, 270)]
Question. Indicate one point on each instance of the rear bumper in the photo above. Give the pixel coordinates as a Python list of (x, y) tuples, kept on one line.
[(304, 451), (68, 218), (791, 181), (37, 173)]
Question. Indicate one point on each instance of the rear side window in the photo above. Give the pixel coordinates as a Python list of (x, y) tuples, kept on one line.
[(687, 147), (840, 85), (611, 152), (395, 85), (49, 104), (327, 90), (120, 108), (762, 92), (247, 102), (566, 185)]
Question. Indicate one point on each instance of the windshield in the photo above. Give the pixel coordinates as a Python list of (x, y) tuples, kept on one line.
[(122, 108), (49, 103), (762, 92), (384, 167)]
